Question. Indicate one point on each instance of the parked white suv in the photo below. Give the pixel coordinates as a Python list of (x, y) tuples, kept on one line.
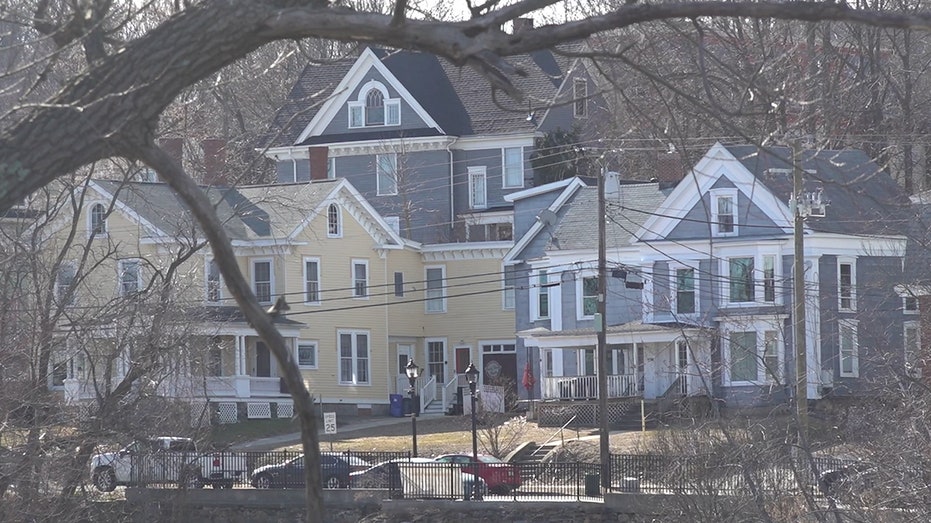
[(164, 460)]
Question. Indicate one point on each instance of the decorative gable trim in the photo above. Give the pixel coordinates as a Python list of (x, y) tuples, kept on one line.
[(568, 191), (465, 251), (718, 162), (129, 212), (341, 95)]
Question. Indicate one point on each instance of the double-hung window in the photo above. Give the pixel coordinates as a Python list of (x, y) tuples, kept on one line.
[(848, 349), (510, 285), (311, 280), (353, 357), (130, 277), (847, 284), (741, 280), (98, 220), (685, 291), (262, 280), (753, 355), (478, 189), (386, 167), (588, 297), (724, 209), (214, 281), (542, 293), (360, 278), (64, 283), (580, 98), (513, 168), (436, 290)]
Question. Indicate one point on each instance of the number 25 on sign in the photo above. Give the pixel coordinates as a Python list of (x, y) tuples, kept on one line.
[(329, 423)]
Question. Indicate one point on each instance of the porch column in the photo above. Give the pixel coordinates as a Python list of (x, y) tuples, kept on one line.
[(241, 381)]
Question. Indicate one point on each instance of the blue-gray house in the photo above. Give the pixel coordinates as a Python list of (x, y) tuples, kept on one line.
[(699, 298)]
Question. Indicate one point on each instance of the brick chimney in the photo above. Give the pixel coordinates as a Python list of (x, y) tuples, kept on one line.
[(669, 169), (318, 163), (174, 147), (214, 160), (522, 24)]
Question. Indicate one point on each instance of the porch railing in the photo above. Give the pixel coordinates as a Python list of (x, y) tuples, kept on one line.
[(586, 387), (449, 391), (427, 393)]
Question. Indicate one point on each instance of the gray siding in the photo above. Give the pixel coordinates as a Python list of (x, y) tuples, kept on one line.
[(422, 178), (751, 220), (527, 210), (290, 171), (492, 160)]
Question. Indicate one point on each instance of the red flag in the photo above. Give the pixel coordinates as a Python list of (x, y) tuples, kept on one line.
[(528, 377)]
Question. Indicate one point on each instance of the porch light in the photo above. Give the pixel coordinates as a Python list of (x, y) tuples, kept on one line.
[(471, 374), (412, 370)]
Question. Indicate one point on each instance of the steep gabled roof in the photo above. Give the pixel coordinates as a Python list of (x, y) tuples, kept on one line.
[(864, 199), (458, 99)]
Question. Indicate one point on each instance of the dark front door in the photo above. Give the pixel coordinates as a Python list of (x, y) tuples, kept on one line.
[(501, 369), (263, 362)]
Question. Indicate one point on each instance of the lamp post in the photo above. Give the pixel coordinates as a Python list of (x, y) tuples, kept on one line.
[(413, 372), (471, 374)]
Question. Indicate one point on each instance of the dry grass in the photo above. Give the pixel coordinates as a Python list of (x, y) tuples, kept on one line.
[(437, 436)]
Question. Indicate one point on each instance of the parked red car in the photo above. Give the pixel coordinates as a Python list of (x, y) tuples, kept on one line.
[(500, 477)]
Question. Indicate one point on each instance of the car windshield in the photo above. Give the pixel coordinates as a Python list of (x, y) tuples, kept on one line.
[(181, 445), (489, 459)]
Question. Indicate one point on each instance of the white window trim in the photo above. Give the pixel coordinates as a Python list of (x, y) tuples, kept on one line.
[(368, 278), (579, 299), (758, 280), (478, 172), (442, 298), (355, 356), (359, 103), (906, 310), (843, 260), (760, 327), (58, 293), (304, 279), (207, 299), (718, 193), (119, 275), (851, 324), (394, 160), (339, 220), (316, 346), (906, 326), (271, 277), (674, 289), (575, 98), (536, 290), (508, 290), (90, 220), (331, 168), (504, 178)]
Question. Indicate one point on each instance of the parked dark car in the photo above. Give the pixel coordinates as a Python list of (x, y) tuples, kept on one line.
[(500, 477), (334, 471), (423, 477)]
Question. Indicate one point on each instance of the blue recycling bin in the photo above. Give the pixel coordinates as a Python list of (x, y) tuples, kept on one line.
[(396, 405)]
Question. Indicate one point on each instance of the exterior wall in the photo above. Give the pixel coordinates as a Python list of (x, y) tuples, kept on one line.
[(492, 160), (751, 220), (340, 122), (525, 214)]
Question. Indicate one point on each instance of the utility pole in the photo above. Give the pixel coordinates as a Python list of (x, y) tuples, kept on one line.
[(798, 295), (602, 326)]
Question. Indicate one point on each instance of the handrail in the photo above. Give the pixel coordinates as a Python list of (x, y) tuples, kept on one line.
[(675, 385), (427, 393), (559, 431)]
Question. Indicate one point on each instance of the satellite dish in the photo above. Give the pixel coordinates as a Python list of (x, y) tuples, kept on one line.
[(546, 217)]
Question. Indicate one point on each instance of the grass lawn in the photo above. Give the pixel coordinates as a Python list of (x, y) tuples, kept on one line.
[(228, 434)]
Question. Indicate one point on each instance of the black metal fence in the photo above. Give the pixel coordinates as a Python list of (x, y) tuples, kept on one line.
[(411, 478)]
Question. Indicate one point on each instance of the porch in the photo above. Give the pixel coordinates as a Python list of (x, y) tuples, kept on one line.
[(586, 387)]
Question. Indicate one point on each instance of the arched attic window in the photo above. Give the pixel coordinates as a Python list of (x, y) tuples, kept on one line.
[(373, 107), (98, 219), (334, 224)]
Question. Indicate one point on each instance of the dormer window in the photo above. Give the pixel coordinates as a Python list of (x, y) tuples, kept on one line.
[(724, 207), (373, 107)]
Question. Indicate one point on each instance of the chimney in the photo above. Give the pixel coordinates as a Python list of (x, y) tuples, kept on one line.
[(318, 163), (669, 169), (522, 24), (174, 147), (214, 160)]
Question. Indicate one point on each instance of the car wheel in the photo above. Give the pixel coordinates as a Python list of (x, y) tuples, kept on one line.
[(262, 481), (331, 482), (105, 479)]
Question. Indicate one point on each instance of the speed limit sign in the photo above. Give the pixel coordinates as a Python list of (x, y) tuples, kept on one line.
[(329, 423)]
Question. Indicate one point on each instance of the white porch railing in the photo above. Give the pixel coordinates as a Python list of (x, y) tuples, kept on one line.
[(427, 393), (586, 387), (265, 386), (449, 390)]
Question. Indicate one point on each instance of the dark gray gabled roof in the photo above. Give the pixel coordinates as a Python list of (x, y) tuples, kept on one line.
[(459, 99), (864, 199)]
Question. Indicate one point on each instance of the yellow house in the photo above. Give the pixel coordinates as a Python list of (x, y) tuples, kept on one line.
[(362, 302)]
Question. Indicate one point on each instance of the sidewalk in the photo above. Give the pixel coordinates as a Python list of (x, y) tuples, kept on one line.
[(351, 425)]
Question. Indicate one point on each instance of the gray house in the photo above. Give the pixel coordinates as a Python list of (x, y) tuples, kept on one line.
[(699, 298)]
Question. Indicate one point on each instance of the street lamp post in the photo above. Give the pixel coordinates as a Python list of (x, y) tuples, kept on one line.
[(472, 376), (413, 372)]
